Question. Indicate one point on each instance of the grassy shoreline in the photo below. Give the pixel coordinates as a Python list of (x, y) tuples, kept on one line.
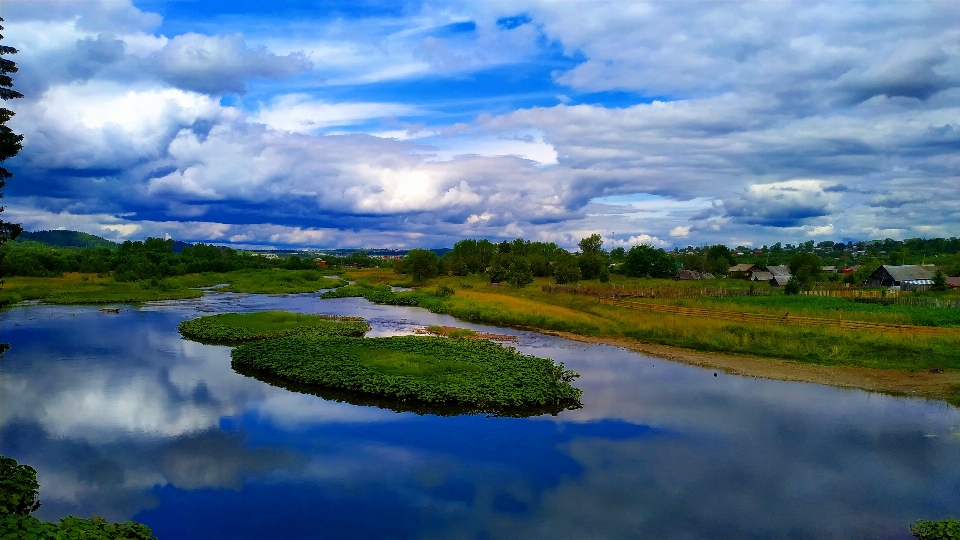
[(474, 301), (77, 288), (532, 308)]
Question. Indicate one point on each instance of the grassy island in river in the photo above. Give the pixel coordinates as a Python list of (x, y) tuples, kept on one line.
[(415, 368), (243, 327)]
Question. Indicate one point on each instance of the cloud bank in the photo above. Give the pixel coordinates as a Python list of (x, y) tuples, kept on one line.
[(743, 123)]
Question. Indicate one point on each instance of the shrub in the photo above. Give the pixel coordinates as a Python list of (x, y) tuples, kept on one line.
[(793, 286), (947, 529), (444, 291)]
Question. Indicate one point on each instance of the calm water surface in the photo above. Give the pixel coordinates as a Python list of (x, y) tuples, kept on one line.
[(124, 419)]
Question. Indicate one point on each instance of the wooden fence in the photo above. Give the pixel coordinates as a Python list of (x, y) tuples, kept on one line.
[(784, 319)]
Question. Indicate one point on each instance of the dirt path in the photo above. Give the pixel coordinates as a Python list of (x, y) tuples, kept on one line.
[(925, 384)]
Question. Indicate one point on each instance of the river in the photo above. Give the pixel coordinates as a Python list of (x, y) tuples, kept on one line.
[(123, 418)]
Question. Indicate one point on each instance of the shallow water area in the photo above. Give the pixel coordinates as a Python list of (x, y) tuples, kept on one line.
[(123, 418)]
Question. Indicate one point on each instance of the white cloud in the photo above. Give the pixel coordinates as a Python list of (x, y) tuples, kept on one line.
[(300, 113)]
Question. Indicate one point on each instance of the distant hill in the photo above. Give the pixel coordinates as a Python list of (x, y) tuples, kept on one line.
[(75, 239)]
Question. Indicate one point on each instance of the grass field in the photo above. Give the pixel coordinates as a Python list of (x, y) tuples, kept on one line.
[(530, 307)]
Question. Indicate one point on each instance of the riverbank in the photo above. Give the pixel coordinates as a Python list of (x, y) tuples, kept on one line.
[(939, 385), (912, 365)]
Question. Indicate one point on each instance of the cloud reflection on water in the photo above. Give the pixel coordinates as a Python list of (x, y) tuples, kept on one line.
[(143, 424)]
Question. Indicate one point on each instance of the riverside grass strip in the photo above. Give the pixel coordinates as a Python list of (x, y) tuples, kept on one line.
[(786, 319), (432, 370), (233, 328)]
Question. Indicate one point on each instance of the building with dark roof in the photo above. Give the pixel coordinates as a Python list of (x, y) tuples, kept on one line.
[(890, 275), (779, 270)]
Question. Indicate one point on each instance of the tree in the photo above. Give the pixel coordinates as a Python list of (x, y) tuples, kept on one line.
[(566, 272), (421, 264), (939, 281), (806, 268), (518, 272), (10, 142), (591, 244), (720, 259), (644, 260), (591, 264)]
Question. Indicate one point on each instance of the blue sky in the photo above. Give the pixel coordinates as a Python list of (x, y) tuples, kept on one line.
[(403, 124)]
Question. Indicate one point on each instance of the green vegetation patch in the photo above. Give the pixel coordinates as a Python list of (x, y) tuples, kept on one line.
[(416, 368), (277, 281), (243, 327), (946, 529), (378, 294)]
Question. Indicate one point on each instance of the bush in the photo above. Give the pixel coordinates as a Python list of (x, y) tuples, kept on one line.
[(444, 291), (947, 529), (19, 490), (792, 287)]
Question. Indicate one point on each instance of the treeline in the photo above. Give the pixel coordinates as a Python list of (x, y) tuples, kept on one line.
[(519, 261), (944, 252), (135, 261)]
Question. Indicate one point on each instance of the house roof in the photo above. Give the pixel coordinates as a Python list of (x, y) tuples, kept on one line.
[(761, 276), (909, 272), (742, 268), (829, 269), (780, 281), (953, 281), (779, 270)]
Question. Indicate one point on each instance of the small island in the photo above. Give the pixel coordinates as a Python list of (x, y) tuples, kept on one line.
[(434, 370), (454, 370), (235, 328)]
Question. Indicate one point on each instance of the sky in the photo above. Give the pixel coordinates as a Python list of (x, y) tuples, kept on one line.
[(370, 123)]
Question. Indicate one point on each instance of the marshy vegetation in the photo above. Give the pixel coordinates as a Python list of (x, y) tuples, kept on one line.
[(243, 327), (433, 370)]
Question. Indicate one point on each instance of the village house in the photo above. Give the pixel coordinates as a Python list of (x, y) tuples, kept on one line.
[(906, 276), (685, 275), (780, 281), (743, 271), (779, 270)]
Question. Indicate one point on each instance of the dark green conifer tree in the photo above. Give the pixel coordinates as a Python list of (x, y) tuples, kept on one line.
[(9, 141)]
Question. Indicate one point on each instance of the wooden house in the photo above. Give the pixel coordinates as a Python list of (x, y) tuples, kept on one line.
[(906, 275)]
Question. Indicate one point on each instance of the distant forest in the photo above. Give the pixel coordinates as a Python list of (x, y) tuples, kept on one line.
[(51, 253)]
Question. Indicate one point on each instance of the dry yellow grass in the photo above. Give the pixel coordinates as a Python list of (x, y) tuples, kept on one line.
[(534, 307)]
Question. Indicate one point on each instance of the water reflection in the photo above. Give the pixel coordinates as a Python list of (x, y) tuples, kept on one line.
[(124, 419)]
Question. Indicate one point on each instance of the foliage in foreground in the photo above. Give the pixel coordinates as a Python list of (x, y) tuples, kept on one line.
[(243, 327), (947, 529), (417, 368), (19, 494)]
